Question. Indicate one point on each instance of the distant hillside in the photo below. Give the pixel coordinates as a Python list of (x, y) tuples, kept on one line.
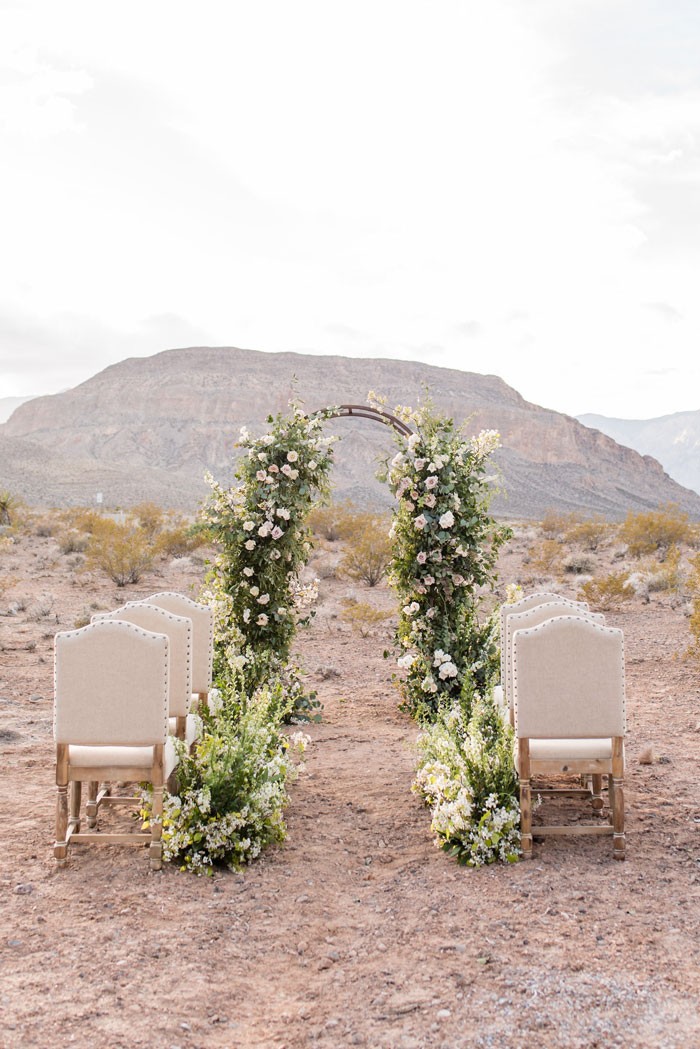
[(150, 427), (8, 405), (672, 439)]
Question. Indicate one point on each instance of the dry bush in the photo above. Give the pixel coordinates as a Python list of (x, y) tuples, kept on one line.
[(368, 551), (72, 541), (82, 519), (120, 550), (578, 564), (693, 650), (656, 531), (334, 522), (607, 592), (574, 528), (150, 518), (363, 617), (178, 541), (547, 557), (667, 575)]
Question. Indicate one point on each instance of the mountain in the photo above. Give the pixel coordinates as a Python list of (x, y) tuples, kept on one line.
[(8, 405), (672, 439), (149, 428)]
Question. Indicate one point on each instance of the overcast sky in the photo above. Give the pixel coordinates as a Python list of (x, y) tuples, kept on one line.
[(503, 187)]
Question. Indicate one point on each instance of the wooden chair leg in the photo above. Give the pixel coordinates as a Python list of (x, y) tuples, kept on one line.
[(618, 806), (525, 799), (91, 804), (155, 850), (75, 799), (597, 792), (60, 849)]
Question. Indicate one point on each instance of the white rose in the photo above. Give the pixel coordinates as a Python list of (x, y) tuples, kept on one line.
[(250, 545), (248, 526), (447, 520), (420, 523), (292, 457), (262, 619)]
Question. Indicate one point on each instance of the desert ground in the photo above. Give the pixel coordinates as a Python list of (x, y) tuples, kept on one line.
[(356, 930)]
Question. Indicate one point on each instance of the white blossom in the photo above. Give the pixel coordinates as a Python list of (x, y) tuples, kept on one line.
[(447, 519)]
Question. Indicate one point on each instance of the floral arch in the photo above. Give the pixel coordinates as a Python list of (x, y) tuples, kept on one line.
[(445, 550)]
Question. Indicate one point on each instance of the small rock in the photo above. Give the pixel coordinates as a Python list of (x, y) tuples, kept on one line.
[(443, 1014), (24, 889), (647, 756)]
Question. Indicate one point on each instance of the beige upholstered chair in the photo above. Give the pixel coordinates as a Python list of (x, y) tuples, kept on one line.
[(569, 698), (178, 629), (202, 617), (532, 616), (110, 724), (514, 607)]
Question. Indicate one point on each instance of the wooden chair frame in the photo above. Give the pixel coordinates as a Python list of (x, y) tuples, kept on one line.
[(565, 698)]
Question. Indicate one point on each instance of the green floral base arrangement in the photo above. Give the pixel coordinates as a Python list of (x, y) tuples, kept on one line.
[(467, 777)]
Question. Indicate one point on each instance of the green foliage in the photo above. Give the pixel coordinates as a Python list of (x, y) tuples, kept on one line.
[(466, 775), (656, 531), (262, 533), (232, 789), (9, 504), (368, 550), (446, 547), (607, 592)]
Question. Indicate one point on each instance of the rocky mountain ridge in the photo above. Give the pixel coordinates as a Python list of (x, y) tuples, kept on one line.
[(672, 439), (151, 427)]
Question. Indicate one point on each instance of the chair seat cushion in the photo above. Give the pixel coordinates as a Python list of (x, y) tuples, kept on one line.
[(126, 757), (193, 728), (563, 750)]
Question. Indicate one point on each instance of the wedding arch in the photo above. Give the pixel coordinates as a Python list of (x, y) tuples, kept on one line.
[(445, 546)]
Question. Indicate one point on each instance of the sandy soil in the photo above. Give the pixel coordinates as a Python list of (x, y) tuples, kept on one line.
[(357, 930)]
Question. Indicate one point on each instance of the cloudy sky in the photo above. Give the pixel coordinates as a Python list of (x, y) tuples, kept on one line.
[(502, 187)]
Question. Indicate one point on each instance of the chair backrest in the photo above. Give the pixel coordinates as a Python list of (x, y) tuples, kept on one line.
[(178, 630), (202, 617), (568, 680), (111, 685), (522, 605), (531, 616)]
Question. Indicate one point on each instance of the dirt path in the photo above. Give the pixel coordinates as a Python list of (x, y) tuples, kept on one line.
[(356, 931)]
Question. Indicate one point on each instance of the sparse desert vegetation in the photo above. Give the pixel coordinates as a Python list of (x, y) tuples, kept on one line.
[(358, 904)]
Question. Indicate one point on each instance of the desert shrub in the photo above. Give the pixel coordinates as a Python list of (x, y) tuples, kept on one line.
[(656, 531), (178, 541), (9, 506), (45, 527), (578, 564), (150, 518), (693, 650), (590, 532), (368, 551), (334, 521), (120, 550), (571, 528), (547, 557), (363, 617), (608, 591), (72, 542), (554, 523), (666, 575)]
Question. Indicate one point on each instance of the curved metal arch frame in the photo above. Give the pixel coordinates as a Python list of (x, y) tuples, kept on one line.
[(364, 411)]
